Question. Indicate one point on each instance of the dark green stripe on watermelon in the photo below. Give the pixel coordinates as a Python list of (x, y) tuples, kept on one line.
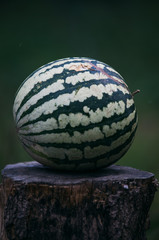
[(92, 102), (105, 141), (84, 160), (106, 98), (66, 73)]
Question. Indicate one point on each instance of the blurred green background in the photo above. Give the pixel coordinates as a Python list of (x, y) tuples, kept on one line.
[(123, 34)]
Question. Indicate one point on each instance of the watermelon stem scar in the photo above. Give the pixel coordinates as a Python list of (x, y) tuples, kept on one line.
[(135, 92)]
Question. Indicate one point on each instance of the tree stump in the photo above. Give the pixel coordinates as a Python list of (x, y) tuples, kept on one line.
[(39, 203)]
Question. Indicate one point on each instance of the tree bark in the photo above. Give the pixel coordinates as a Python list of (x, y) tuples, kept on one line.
[(39, 203)]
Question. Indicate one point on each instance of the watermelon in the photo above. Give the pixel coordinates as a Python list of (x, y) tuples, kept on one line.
[(75, 114)]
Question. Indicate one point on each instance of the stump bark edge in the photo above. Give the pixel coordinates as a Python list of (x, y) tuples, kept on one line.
[(39, 203)]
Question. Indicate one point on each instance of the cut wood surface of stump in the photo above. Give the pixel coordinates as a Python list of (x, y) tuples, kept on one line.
[(39, 203)]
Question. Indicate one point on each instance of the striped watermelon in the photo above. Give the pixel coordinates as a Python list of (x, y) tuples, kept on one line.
[(75, 114)]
